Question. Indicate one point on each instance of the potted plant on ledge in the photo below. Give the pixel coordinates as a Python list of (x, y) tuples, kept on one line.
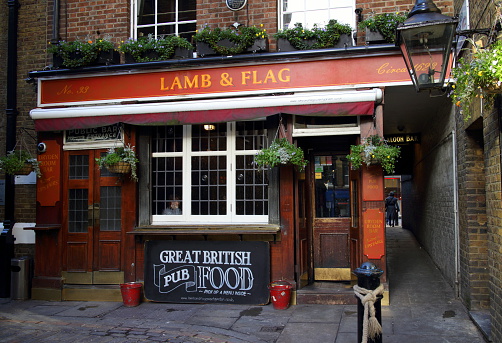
[(149, 49), (333, 35), (381, 28), (281, 152), (480, 77), (81, 53), (120, 160), (235, 40), (19, 162), (374, 150)]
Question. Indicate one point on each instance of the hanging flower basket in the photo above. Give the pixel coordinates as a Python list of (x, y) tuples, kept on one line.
[(281, 152), (119, 168), (19, 162), (478, 76), (374, 150), (26, 169), (120, 161)]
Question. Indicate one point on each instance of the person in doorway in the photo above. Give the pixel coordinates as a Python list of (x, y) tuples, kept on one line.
[(391, 209), (173, 207)]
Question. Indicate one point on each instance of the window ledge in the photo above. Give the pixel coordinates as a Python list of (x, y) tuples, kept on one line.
[(186, 230)]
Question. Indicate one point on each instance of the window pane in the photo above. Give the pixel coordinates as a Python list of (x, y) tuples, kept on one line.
[(332, 189), (146, 12), (110, 208), (186, 10), (209, 191), (166, 11), (251, 135), (170, 17), (79, 167), (77, 210), (168, 185), (168, 139), (209, 139), (251, 187)]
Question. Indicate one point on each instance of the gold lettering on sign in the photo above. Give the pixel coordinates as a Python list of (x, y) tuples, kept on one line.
[(177, 82), (386, 68), (253, 77)]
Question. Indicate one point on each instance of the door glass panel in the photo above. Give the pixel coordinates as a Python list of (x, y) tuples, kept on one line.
[(110, 208), (79, 167), (78, 210), (209, 185), (332, 186)]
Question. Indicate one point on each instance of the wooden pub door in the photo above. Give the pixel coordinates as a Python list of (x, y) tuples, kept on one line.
[(92, 217), (334, 231)]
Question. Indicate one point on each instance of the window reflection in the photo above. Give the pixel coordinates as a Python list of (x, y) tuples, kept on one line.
[(332, 186)]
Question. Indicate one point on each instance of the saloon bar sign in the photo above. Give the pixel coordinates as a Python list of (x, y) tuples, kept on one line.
[(207, 272)]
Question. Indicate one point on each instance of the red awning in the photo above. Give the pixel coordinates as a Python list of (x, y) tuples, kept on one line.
[(207, 111)]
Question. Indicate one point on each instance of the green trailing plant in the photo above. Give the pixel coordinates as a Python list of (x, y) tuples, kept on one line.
[(316, 38), (374, 149), (478, 76), (164, 47), (16, 160), (281, 152), (121, 154), (385, 24), (241, 38), (79, 53)]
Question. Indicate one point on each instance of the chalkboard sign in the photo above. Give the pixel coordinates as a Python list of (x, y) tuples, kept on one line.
[(207, 272)]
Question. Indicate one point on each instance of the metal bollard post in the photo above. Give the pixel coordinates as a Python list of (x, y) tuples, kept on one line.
[(368, 277)]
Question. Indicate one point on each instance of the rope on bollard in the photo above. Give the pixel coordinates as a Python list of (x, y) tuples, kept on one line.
[(371, 326)]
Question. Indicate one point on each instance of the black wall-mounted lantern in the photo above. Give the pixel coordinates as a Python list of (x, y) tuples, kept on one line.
[(425, 39)]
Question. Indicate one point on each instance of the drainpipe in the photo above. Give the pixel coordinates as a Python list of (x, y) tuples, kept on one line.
[(55, 23), (11, 108), (455, 210)]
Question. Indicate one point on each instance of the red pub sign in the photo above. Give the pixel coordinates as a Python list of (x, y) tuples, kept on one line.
[(257, 78)]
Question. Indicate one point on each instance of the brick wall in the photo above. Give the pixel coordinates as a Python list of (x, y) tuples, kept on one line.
[(491, 133), (433, 217), (472, 216), (4, 15), (481, 239)]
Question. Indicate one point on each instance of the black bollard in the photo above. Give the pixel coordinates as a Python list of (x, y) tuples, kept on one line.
[(368, 277)]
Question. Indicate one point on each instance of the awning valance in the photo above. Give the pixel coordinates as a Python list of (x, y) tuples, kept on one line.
[(331, 103)]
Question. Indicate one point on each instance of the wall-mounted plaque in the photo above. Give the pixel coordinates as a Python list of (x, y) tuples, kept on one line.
[(236, 5)]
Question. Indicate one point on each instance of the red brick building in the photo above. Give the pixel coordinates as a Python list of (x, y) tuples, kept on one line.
[(94, 230)]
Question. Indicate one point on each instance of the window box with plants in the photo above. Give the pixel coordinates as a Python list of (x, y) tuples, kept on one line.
[(478, 76), (121, 160), (381, 28), (81, 53), (19, 162), (149, 49), (281, 152), (374, 150), (333, 35), (235, 40)]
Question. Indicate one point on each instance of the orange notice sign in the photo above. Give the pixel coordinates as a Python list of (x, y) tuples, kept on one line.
[(374, 234), (49, 185), (372, 184)]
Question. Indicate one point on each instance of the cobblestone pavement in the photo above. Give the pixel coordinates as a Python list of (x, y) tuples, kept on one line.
[(423, 309)]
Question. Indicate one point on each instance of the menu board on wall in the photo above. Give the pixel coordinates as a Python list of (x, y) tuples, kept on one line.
[(207, 272)]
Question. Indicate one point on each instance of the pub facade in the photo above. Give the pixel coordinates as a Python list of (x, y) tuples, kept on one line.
[(204, 223)]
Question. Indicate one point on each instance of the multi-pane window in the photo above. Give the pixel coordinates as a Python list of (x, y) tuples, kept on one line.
[(205, 173), (308, 12), (165, 17)]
